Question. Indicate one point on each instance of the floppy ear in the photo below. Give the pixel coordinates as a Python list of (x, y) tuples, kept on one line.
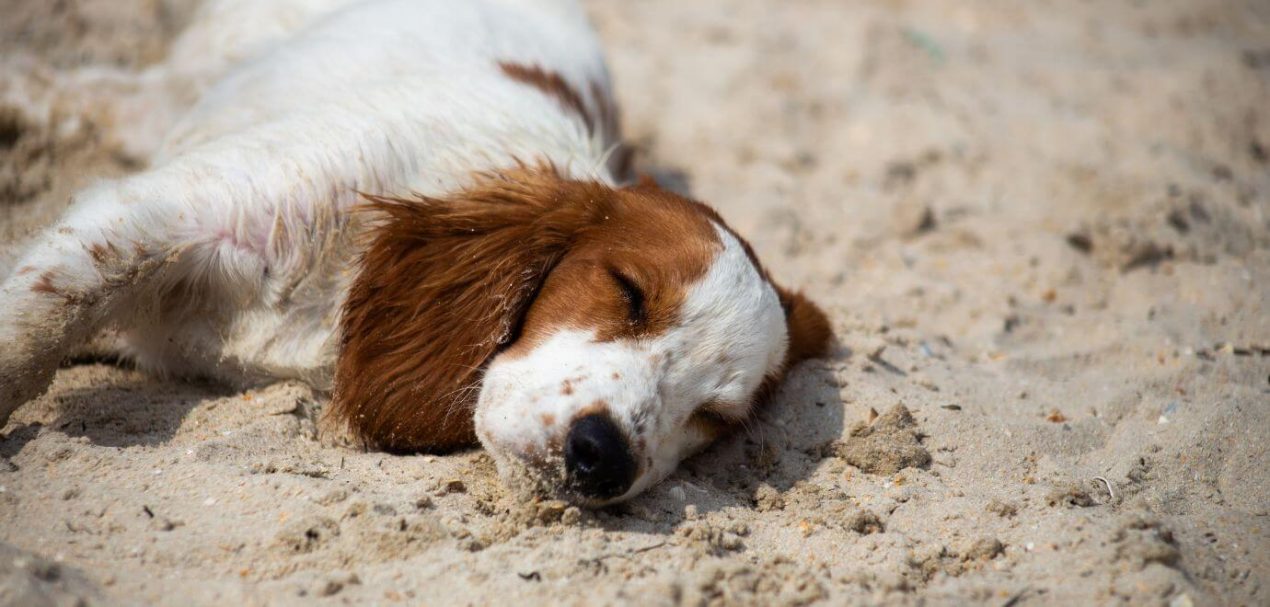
[(442, 286), (809, 329)]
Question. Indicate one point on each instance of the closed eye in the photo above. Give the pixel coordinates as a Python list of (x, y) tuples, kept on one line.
[(632, 295)]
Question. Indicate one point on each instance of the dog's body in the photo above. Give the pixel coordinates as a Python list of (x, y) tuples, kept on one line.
[(253, 185), (234, 254)]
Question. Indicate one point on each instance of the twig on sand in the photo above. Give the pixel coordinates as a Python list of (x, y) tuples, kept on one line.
[(1016, 597), (628, 553), (1110, 492), (646, 548), (876, 358)]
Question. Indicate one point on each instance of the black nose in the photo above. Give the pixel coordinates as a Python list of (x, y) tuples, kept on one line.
[(597, 458)]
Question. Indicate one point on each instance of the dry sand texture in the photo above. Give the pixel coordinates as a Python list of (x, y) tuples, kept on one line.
[(1042, 230)]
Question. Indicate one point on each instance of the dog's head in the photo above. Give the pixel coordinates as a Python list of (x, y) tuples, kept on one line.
[(591, 337)]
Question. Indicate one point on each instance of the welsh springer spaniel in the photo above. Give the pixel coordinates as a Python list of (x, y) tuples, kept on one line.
[(422, 207)]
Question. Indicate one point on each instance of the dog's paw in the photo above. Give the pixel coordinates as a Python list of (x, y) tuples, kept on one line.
[(27, 363), (22, 380)]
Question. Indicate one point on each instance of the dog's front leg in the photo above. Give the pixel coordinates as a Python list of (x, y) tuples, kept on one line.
[(72, 281)]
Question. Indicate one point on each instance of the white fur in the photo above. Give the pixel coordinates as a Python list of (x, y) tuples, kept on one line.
[(730, 335)]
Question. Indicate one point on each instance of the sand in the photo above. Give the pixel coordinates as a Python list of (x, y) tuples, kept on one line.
[(1041, 229)]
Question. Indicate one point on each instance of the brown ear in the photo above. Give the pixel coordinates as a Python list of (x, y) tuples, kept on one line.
[(442, 286), (809, 329)]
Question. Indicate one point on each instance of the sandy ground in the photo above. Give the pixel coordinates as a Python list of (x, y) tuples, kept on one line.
[(1042, 231)]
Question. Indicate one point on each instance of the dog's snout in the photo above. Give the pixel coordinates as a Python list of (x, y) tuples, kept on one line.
[(597, 458)]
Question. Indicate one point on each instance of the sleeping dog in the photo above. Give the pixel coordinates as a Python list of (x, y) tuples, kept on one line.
[(424, 208)]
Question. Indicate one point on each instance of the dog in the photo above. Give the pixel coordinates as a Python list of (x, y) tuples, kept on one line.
[(424, 209)]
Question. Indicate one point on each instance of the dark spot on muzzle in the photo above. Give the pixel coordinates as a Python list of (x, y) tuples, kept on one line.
[(597, 458)]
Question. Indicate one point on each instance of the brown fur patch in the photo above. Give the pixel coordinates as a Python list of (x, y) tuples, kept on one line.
[(809, 328), (605, 120), (711, 424), (441, 288), (660, 242), (553, 85), (45, 284), (101, 252)]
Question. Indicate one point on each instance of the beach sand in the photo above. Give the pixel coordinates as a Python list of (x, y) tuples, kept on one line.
[(1041, 230)]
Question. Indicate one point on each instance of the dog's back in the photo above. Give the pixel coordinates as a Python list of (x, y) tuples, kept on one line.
[(439, 62)]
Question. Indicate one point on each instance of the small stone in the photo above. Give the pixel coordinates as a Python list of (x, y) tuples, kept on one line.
[(550, 511), (1070, 494), (328, 587), (571, 516), (865, 522), (453, 486), (806, 527), (60, 453), (163, 523), (333, 496), (384, 510), (1002, 509), (768, 498), (356, 509), (984, 549)]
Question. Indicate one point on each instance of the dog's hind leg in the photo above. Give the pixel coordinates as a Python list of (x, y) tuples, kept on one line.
[(134, 109)]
